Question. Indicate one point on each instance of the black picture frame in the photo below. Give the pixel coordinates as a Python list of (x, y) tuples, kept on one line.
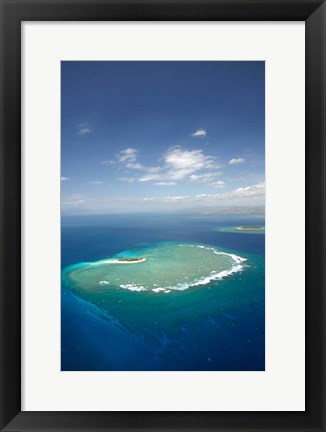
[(13, 13)]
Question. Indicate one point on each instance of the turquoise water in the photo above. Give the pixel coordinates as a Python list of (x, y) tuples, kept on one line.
[(196, 303)]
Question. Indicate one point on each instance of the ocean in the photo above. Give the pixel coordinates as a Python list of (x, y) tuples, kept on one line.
[(196, 303)]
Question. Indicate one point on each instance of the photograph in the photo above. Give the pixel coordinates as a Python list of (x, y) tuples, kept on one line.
[(162, 216)]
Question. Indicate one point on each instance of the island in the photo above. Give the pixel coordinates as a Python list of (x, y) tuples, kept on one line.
[(131, 259), (250, 228), (242, 229), (124, 260)]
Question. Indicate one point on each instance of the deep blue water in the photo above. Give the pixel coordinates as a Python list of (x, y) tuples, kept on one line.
[(227, 333)]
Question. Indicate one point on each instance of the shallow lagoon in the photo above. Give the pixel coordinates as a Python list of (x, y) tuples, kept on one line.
[(166, 267)]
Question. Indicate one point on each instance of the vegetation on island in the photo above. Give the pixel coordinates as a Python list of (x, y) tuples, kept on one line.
[(130, 259)]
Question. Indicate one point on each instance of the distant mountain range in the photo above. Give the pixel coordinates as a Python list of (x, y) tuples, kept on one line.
[(251, 210)]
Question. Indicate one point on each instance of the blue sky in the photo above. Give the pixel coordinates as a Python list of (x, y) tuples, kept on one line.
[(161, 136)]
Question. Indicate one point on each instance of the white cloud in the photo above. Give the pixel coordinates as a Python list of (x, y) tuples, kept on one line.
[(253, 191), (134, 165), (182, 163), (139, 166), (73, 202), (128, 155), (96, 182), (178, 164), (107, 162), (257, 189), (84, 131), (176, 198), (65, 178), (150, 177), (204, 178), (199, 133), (236, 161), (165, 183), (248, 196), (128, 158), (217, 184), (126, 179)]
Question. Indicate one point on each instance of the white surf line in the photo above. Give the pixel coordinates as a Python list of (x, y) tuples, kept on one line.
[(133, 287), (218, 276), (236, 258), (158, 289)]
